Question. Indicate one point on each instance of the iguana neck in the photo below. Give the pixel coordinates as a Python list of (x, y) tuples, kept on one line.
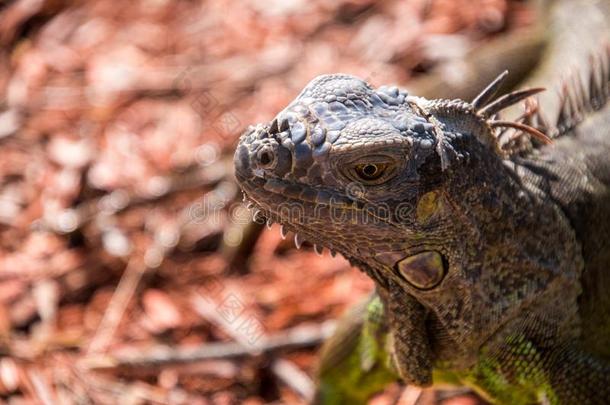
[(488, 255)]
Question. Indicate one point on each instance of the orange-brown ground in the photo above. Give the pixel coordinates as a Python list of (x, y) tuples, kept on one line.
[(119, 219)]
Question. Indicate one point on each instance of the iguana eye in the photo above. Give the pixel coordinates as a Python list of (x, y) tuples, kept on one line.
[(370, 171)]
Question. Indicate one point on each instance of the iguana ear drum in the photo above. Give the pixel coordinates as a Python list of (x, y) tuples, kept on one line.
[(424, 270)]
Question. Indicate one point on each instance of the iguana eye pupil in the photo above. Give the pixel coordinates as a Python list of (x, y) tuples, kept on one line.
[(370, 171)]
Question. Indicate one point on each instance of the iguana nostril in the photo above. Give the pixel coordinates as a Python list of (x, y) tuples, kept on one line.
[(270, 158), (266, 157)]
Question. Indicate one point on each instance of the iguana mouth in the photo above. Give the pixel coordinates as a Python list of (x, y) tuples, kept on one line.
[(294, 206)]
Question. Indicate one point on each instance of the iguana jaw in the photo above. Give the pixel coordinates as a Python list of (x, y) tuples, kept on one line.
[(318, 215)]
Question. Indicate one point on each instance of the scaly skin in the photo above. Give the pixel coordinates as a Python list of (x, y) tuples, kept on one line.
[(560, 30), (489, 254)]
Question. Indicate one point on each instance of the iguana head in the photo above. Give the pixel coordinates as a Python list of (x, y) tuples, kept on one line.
[(409, 190)]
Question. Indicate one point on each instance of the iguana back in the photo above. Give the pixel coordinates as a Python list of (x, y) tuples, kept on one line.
[(576, 70), (576, 176)]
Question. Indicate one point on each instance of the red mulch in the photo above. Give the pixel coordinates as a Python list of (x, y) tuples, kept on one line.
[(117, 122)]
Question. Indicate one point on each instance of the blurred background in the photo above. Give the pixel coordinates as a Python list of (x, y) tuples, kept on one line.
[(130, 272)]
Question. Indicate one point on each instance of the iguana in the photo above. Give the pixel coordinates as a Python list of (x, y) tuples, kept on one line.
[(488, 239)]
